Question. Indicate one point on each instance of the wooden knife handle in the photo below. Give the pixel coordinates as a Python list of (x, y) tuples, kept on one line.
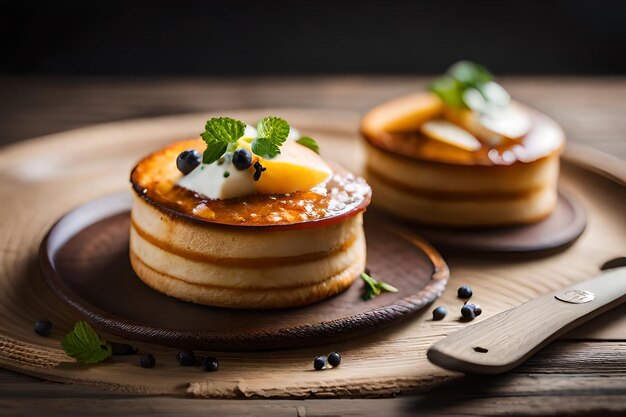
[(504, 341)]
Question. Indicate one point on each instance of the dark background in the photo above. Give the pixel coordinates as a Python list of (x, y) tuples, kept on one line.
[(139, 38)]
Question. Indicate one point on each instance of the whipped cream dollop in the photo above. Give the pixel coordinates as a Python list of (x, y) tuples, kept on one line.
[(222, 180)]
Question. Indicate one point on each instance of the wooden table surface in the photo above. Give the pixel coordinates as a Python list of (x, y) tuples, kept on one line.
[(566, 377)]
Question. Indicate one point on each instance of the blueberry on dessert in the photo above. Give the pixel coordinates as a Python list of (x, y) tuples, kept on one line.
[(247, 217), (462, 154)]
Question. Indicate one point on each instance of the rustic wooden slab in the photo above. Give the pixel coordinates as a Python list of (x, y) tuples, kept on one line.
[(43, 179), (85, 260)]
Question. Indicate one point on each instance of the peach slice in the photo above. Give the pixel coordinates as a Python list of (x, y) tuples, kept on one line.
[(403, 114), (510, 123), (296, 168), (447, 132)]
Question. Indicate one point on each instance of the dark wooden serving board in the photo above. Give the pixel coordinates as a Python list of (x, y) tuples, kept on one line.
[(85, 260)]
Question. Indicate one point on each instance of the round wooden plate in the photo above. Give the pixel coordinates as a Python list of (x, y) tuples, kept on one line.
[(553, 234), (85, 260)]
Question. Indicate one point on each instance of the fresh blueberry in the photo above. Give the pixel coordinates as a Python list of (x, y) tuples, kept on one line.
[(43, 327), (464, 291), (439, 313), (122, 349), (467, 311), (210, 364), (242, 159), (147, 361), (188, 160), (334, 358), (319, 363), (477, 310), (186, 358)]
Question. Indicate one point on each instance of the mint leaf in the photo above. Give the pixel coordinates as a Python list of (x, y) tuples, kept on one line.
[(218, 133), (274, 129), (374, 287), (449, 91), (386, 287), (265, 147), (84, 344), (309, 143), (272, 133), (214, 152), (461, 78), (470, 73)]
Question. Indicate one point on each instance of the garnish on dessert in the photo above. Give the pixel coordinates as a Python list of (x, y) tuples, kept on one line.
[(309, 143), (374, 287), (465, 109), (265, 160), (84, 344), (260, 203), (476, 103)]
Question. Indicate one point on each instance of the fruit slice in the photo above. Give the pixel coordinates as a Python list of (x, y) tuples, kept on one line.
[(403, 114), (495, 128), (447, 132), (296, 168)]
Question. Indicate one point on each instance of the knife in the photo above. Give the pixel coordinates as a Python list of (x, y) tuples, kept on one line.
[(502, 342)]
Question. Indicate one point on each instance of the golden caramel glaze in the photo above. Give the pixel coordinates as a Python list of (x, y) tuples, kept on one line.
[(544, 139), (154, 179)]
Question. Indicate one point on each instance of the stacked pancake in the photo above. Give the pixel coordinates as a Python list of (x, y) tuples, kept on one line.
[(255, 251), (435, 163)]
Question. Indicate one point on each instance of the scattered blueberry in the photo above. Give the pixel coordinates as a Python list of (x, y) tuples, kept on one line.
[(477, 310), (439, 313), (464, 291), (319, 363), (186, 358), (334, 358), (467, 311), (188, 160), (147, 361), (242, 159), (122, 348), (43, 327), (210, 364)]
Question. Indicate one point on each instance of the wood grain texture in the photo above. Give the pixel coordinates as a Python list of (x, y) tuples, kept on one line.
[(94, 161), (496, 344), (590, 109), (565, 378)]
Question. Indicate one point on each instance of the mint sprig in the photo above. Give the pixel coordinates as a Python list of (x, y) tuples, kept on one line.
[(84, 344), (219, 134), (271, 134), (461, 78), (374, 288), (309, 143)]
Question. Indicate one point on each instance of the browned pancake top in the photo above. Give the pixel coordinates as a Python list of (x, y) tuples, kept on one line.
[(544, 139), (154, 178)]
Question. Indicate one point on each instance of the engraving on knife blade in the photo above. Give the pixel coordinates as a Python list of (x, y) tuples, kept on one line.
[(576, 296)]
